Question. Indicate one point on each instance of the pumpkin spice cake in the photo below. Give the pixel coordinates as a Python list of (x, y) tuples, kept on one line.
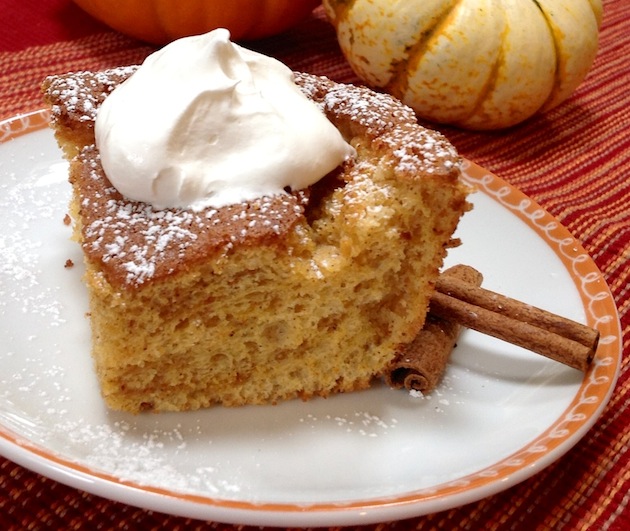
[(297, 293)]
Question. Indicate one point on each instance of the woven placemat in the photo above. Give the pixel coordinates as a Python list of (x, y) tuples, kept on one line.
[(574, 161)]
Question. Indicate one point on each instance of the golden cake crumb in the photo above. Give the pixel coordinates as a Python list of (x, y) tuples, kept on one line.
[(300, 294)]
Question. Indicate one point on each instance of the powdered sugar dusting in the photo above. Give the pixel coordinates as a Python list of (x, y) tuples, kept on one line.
[(25, 202), (388, 122), (79, 96), (363, 423), (136, 243), (158, 229)]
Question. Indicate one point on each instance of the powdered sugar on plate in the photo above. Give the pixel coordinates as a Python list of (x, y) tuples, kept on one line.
[(362, 423)]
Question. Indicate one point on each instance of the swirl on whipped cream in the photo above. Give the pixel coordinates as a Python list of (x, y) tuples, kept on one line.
[(207, 123)]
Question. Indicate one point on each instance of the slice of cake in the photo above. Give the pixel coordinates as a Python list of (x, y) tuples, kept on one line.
[(296, 294)]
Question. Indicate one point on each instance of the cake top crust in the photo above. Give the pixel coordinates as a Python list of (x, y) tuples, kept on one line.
[(75, 97), (137, 244)]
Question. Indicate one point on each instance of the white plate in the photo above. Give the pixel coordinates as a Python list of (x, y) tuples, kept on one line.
[(501, 414)]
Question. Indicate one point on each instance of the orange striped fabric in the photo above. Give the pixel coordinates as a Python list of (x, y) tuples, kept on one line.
[(574, 161)]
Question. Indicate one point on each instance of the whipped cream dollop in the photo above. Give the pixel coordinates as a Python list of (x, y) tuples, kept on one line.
[(205, 123)]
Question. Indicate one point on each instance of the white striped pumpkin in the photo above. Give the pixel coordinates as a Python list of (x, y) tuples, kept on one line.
[(477, 64)]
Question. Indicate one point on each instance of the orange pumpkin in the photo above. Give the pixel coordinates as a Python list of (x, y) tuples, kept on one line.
[(161, 21)]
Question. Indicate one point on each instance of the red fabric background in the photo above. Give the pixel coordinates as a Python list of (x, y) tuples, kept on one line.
[(574, 161), (36, 23)]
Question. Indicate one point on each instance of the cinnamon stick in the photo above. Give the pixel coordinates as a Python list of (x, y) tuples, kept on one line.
[(521, 324), (460, 301), (420, 364)]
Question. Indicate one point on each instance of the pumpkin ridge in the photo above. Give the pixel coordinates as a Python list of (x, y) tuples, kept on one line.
[(340, 8), (557, 78), (399, 81), (161, 10), (486, 89), (490, 83), (153, 21), (264, 9)]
